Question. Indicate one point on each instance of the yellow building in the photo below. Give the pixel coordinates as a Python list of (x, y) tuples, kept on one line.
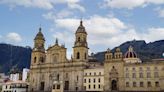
[(48, 65), (118, 72), (129, 73)]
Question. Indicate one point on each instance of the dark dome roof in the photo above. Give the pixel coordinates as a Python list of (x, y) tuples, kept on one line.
[(39, 35), (81, 28), (130, 53)]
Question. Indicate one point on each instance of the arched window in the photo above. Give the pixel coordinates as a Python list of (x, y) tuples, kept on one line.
[(85, 55), (34, 59), (107, 57), (41, 59), (54, 59), (78, 55), (78, 38)]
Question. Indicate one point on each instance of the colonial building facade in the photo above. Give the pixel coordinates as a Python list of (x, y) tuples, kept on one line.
[(118, 72)]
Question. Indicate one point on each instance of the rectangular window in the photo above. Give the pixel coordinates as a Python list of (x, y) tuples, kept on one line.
[(85, 73), (99, 86), (156, 75), (90, 73), (141, 84), (84, 80), (89, 80), (58, 86), (94, 86), (76, 88), (99, 73), (148, 75), (94, 80), (89, 86), (94, 73), (134, 75), (141, 75), (53, 86), (127, 75), (157, 84), (85, 87), (133, 69), (99, 80), (127, 84), (134, 84), (149, 84)]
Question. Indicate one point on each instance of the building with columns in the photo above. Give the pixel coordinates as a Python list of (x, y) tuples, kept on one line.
[(53, 63), (119, 72)]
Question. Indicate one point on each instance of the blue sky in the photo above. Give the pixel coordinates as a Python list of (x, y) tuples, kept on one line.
[(108, 22)]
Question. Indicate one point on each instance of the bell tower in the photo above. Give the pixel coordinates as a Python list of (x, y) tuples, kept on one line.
[(80, 49), (38, 52)]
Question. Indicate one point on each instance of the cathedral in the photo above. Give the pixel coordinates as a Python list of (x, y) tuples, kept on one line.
[(82, 72)]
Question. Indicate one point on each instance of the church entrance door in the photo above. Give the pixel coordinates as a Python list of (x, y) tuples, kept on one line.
[(42, 86), (66, 85), (114, 85)]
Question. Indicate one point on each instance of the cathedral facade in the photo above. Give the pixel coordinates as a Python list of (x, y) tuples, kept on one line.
[(120, 72)]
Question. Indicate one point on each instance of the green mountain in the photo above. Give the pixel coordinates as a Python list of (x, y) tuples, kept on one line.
[(145, 51), (14, 56), (19, 57)]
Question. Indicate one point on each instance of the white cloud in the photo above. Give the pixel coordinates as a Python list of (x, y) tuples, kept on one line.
[(106, 31), (130, 4), (43, 4), (76, 6), (49, 16), (95, 25), (62, 14), (160, 12), (13, 37), (63, 36), (153, 34), (102, 30)]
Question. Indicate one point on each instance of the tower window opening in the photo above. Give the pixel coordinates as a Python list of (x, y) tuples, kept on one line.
[(107, 57), (85, 56), (78, 38), (58, 77), (41, 59), (34, 59), (78, 55)]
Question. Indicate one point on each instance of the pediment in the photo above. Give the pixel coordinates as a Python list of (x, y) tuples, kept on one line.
[(55, 47)]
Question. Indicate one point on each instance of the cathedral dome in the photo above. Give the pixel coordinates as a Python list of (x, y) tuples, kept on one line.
[(39, 35), (81, 28), (130, 53)]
